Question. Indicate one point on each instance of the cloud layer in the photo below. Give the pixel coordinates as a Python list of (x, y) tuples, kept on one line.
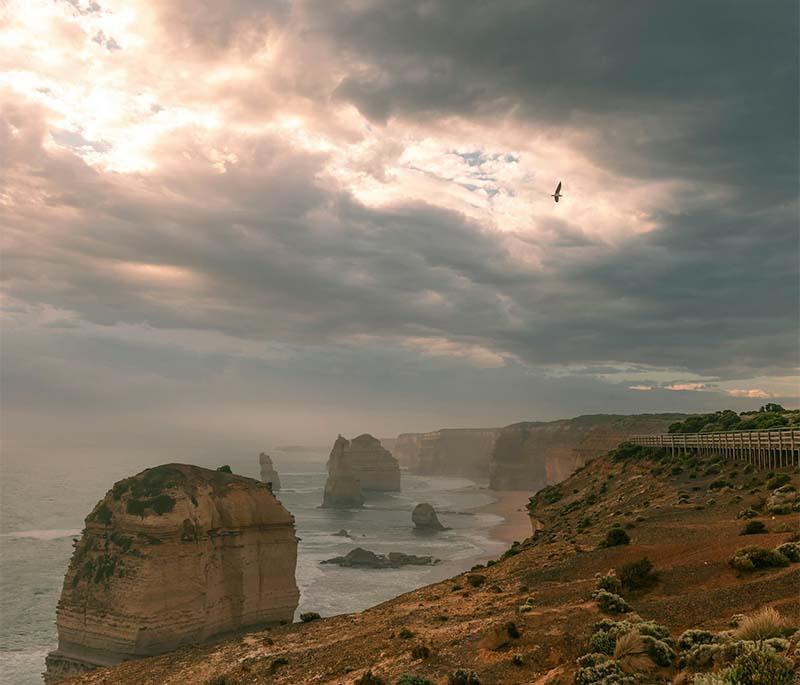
[(285, 186)]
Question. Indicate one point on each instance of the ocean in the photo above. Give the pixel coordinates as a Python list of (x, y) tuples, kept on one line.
[(43, 503)]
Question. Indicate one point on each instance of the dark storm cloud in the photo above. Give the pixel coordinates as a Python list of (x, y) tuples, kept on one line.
[(265, 251), (705, 89)]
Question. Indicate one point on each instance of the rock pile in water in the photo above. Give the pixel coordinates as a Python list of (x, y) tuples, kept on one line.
[(363, 558)]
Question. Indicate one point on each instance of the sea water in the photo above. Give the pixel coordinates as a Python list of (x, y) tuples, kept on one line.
[(43, 503)]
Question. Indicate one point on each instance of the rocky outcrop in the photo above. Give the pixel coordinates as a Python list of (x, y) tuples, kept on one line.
[(363, 558), (448, 452), (530, 455), (268, 472), (424, 518), (373, 465), (173, 556), (343, 487)]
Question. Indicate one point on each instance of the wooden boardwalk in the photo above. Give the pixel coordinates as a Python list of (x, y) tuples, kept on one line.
[(764, 449)]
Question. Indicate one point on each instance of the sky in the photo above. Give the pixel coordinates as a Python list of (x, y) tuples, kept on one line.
[(261, 221)]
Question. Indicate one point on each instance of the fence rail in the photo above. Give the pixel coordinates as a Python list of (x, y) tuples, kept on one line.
[(764, 449)]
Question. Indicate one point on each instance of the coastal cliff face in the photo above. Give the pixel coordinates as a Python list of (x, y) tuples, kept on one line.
[(268, 472), (343, 487), (530, 455), (449, 451), (173, 556)]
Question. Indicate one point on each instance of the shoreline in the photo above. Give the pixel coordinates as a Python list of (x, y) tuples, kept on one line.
[(510, 505)]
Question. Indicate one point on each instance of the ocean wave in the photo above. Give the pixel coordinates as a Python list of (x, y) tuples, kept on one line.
[(50, 534)]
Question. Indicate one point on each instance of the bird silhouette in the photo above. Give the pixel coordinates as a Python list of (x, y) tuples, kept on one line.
[(556, 195)]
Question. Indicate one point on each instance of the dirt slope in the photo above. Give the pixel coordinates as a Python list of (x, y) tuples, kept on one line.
[(689, 538)]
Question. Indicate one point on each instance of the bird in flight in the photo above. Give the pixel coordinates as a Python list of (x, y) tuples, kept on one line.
[(557, 194)]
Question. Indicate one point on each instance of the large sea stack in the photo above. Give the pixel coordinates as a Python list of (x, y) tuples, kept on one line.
[(173, 556), (268, 472), (343, 488), (373, 465)]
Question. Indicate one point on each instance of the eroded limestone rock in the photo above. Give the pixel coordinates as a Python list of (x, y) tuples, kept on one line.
[(343, 488), (268, 472), (173, 556), (424, 518), (363, 558)]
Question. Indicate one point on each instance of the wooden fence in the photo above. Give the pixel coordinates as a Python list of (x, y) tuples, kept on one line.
[(764, 449)]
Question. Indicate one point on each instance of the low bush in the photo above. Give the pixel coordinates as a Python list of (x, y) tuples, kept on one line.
[(407, 679), (791, 550), (369, 678), (309, 616), (614, 537), (760, 667), (610, 583), (610, 602), (462, 676), (406, 634), (719, 484), (631, 654), (420, 651), (637, 575), (693, 637), (607, 672), (748, 513), (512, 630), (225, 468), (778, 480), (751, 558), (476, 579), (754, 528), (222, 680)]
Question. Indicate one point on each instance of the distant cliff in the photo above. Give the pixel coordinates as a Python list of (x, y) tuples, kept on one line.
[(530, 455), (173, 556), (449, 451)]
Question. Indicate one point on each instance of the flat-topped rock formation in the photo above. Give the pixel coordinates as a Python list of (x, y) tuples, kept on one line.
[(173, 556), (373, 465), (530, 455), (343, 487), (268, 472), (424, 518)]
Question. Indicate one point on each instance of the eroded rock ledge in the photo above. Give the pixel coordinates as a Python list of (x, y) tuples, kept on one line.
[(173, 556)]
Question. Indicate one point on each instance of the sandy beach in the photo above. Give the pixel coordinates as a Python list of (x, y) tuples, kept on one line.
[(510, 504)]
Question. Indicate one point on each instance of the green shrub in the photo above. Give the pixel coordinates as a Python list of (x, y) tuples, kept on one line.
[(692, 637), (512, 630), (778, 480), (420, 651), (406, 634), (610, 602), (791, 550), (462, 676), (627, 451), (102, 514), (719, 484), (610, 583), (658, 650), (476, 579), (160, 504), (748, 513), (614, 537), (407, 679), (309, 616), (752, 558), (222, 680), (607, 672), (754, 528), (224, 469), (369, 678), (761, 667), (637, 575)]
